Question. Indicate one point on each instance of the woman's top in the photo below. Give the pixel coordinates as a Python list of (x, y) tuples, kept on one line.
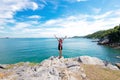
[(60, 42)]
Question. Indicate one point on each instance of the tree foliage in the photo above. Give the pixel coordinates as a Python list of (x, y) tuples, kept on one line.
[(112, 34)]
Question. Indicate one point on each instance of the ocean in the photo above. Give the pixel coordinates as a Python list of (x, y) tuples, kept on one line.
[(14, 50)]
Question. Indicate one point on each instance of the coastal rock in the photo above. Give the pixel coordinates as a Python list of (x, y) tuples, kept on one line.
[(52, 69), (118, 65), (49, 69), (1, 67), (104, 40), (90, 60), (110, 66)]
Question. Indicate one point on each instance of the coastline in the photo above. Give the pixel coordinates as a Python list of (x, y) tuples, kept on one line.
[(112, 45), (56, 69)]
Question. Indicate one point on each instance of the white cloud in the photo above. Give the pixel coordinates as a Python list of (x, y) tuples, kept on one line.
[(34, 5), (77, 25), (74, 25), (55, 3), (96, 10), (44, 1), (20, 26), (81, 0), (35, 17), (72, 1), (9, 7), (1, 27)]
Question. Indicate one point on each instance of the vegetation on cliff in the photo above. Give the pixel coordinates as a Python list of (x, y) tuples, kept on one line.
[(112, 34)]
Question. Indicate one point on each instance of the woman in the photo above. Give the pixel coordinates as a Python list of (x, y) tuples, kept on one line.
[(60, 41)]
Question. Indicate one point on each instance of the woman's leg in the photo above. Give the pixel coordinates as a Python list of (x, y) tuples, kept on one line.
[(60, 51), (60, 54)]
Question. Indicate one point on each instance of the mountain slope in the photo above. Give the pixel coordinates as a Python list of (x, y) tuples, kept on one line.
[(112, 34)]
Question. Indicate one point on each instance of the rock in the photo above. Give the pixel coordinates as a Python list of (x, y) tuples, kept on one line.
[(83, 75), (118, 65), (72, 64), (110, 66), (2, 67), (90, 60), (103, 41), (54, 69)]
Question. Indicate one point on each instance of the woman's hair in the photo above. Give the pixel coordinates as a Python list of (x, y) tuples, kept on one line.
[(60, 40)]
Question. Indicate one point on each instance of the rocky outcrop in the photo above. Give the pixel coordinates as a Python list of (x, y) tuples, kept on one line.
[(51, 69), (91, 60), (97, 61), (113, 67), (106, 41), (118, 65), (103, 41), (2, 67)]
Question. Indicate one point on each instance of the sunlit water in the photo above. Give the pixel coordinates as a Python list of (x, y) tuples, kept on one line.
[(38, 49)]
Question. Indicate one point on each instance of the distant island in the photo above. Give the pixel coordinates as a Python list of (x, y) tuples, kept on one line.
[(110, 37), (4, 37)]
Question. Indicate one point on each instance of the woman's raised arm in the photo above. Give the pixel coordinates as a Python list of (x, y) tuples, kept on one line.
[(64, 37), (56, 37)]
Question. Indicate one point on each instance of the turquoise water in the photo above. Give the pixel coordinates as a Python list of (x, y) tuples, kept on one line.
[(38, 49)]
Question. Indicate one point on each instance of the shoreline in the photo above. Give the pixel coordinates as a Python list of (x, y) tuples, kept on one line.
[(112, 45), (56, 57), (113, 63), (33, 63)]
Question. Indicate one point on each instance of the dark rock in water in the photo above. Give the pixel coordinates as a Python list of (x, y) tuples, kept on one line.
[(106, 41), (103, 41), (118, 65), (2, 67), (95, 40)]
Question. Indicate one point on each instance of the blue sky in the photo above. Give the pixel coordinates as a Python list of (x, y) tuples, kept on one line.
[(44, 18)]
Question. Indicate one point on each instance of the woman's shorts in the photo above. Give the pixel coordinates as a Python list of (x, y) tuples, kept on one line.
[(59, 47)]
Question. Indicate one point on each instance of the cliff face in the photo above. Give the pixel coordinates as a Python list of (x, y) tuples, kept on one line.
[(52, 69)]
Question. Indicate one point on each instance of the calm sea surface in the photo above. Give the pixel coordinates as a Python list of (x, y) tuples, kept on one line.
[(38, 49)]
